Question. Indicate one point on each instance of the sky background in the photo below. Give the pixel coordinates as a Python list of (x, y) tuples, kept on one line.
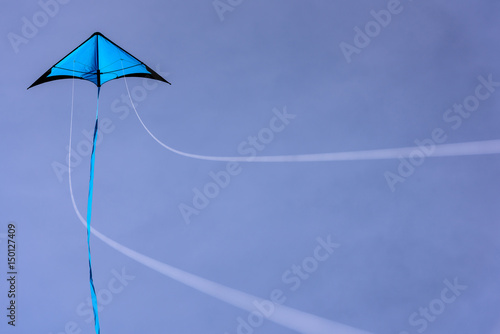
[(228, 73)]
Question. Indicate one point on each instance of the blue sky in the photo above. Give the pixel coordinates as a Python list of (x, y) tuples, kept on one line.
[(429, 241)]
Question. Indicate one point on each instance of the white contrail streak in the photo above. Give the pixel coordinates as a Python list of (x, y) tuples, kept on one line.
[(296, 320)]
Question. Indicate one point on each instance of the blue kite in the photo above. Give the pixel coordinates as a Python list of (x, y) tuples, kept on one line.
[(98, 60)]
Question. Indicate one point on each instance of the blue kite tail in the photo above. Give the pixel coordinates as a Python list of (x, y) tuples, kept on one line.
[(89, 215)]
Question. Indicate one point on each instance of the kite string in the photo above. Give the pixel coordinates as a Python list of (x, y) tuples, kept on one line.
[(455, 149), (89, 215), (285, 316), (288, 317)]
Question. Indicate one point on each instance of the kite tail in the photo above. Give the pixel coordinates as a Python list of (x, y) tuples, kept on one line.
[(89, 214)]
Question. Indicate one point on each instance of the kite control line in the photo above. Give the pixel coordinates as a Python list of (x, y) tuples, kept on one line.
[(484, 147), (89, 216)]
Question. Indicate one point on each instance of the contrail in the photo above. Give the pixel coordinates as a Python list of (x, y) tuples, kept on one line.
[(296, 320)]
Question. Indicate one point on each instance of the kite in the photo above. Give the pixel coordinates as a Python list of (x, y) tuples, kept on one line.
[(97, 60)]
